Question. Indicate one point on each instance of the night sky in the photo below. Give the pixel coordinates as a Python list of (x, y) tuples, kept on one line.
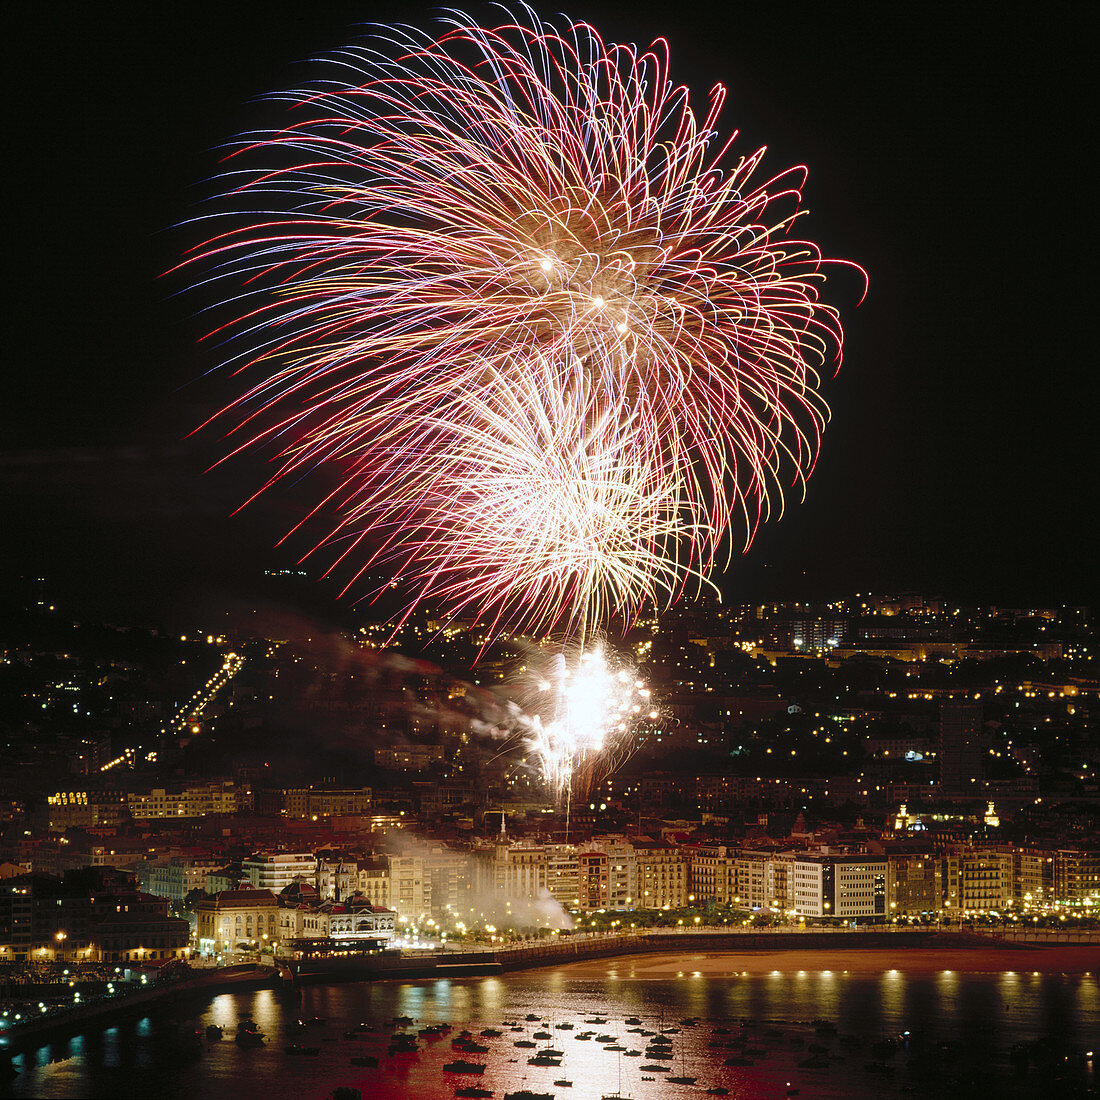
[(947, 155)]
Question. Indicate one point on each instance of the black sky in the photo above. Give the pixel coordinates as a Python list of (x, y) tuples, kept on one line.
[(949, 153)]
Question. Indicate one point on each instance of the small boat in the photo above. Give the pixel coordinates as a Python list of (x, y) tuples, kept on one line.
[(718, 1090), (647, 1078), (491, 1033), (543, 1060), (543, 1035), (527, 1094), (596, 1020), (607, 1038), (633, 1020), (248, 1034), (563, 1027), (531, 1018), (525, 1043), (615, 1046), (468, 1046), (367, 1061), (516, 1027), (679, 1080), (633, 1054), (214, 1032), (564, 1084), (584, 1035), (464, 1067), (655, 1069), (473, 1090), (659, 1055), (402, 1021)]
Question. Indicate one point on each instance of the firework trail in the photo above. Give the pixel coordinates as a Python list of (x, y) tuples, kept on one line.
[(553, 337)]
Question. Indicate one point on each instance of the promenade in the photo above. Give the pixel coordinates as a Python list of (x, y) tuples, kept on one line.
[(106, 1010), (478, 960)]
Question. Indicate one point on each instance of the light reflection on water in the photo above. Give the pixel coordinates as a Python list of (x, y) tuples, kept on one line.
[(982, 1014)]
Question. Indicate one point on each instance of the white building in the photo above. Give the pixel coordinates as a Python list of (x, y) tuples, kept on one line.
[(275, 870), (348, 921), (845, 887)]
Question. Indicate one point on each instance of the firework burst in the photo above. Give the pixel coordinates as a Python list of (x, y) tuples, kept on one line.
[(554, 337), (581, 709)]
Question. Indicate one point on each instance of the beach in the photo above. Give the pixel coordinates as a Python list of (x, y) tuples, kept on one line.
[(1080, 959)]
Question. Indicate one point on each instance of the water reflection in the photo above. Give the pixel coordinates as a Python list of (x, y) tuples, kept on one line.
[(966, 1022)]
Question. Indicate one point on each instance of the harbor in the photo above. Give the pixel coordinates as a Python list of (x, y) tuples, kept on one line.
[(649, 1027)]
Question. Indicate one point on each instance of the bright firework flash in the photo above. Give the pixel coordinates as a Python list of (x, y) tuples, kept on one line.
[(581, 709), (553, 339)]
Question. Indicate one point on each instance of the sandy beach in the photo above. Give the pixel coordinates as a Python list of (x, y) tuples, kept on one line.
[(1056, 958)]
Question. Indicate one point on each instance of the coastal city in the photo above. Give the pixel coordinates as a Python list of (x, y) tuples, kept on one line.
[(878, 760), (545, 555)]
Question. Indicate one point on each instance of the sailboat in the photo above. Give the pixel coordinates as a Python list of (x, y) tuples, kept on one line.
[(618, 1093), (683, 1078)]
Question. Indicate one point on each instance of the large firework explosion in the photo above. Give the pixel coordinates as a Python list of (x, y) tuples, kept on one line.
[(553, 336)]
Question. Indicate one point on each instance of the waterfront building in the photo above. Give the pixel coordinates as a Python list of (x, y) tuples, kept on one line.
[(1032, 876), (140, 937), (912, 885), (93, 915), (449, 878), (974, 881), (660, 876), (841, 887), (1077, 876), (234, 919), (712, 873), (350, 921), (563, 874)]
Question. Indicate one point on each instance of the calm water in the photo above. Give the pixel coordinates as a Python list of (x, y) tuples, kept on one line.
[(980, 1015)]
